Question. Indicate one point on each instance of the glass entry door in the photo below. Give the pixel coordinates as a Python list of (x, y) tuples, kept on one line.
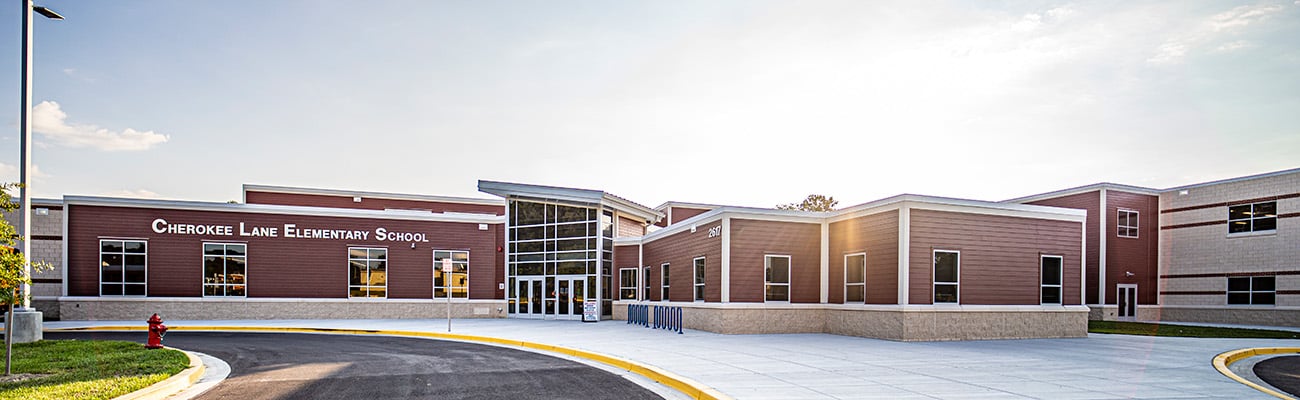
[(1127, 302), (528, 296), (570, 292)]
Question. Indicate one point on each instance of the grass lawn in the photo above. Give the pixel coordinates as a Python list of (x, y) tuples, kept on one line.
[(1141, 328), (87, 369)]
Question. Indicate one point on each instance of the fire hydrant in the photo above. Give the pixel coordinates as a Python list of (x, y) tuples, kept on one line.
[(156, 332)]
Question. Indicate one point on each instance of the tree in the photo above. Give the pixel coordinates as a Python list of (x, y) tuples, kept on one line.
[(814, 202), (12, 273)]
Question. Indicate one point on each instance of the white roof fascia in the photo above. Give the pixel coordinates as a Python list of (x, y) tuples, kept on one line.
[(285, 210), (1237, 179), (680, 204), (375, 195), (627, 241), (960, 205), (1085, 189), (587, 196)]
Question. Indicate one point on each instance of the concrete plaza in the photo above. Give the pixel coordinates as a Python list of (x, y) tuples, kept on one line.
[(822, 366)]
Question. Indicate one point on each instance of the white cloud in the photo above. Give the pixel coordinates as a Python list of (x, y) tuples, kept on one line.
[(1243, 16), (49, 120), (1205, 33), (1237, 45), (1169, 52), (136, 194), (9, 173)]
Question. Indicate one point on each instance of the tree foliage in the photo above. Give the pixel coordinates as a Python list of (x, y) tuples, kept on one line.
[(814, 202), (12, 274)]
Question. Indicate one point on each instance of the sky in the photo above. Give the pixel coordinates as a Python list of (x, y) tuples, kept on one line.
[(752, 103)]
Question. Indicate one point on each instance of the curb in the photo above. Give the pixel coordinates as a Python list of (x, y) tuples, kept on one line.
[(1225, 359), (683, 384), (172, 385)]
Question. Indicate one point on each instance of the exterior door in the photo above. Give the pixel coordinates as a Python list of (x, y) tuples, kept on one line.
[(570, 292), (1127, 298), (528, 297)]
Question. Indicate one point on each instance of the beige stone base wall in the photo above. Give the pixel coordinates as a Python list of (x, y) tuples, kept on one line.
[(1227, 315), (908, 323), (49, 307), (78, 309), (1111, 313)]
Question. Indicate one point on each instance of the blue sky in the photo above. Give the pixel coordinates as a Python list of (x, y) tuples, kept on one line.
[(732, 102)]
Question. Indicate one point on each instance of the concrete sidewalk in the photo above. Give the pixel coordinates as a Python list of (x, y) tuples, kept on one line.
[(821, 366)]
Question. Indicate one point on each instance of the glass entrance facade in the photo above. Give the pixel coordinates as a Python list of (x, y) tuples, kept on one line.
[(558, 256)]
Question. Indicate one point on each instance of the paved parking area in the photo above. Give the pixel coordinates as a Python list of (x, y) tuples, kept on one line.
[(821, 366)]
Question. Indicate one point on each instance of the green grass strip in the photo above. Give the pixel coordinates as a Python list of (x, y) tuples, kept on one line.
[(88, 369), (1150, 329)]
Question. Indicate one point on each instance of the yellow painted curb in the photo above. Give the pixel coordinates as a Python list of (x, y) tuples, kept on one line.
[(683, 384), (170, 386), (1225, 359)]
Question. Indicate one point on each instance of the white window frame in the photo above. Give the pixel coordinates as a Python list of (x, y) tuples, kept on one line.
[(1250, 293), (1060, 273), (645, 283), (697, 291), (863, 284), (1252, 218), (767, 266), (621, 282), (1134, 219), (122, 279), (367, 260), (934, 283), (665, 282), (226, 285), (437, 269)]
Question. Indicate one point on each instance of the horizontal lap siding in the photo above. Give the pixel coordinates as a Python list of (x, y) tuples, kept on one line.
[(999, 255), (683, 213), (876, 235), (629, 228), (1090, 201), (1136, 255), (626, 256), (680, 250), (277, 266), (751, 240), (368, 203)]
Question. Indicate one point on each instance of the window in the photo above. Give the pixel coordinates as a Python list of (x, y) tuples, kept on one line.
[(699, 279), (947, 274), (1247, 290), (1252, 217), (457, 281), (663, 273), (1126, 223), (627, 284), (645, 283), (855, 274), (367, 272), (777, 273), (122, 267), (225, 269), (1050, 267)]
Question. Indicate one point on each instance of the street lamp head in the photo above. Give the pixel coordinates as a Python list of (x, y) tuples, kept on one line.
[(48, 13)]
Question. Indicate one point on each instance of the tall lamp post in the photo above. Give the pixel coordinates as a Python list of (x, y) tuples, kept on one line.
[(21, 328)]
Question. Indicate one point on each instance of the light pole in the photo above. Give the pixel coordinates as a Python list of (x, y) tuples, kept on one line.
[(24, 164)]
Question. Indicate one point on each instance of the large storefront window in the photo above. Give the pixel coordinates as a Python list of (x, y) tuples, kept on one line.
[(557, 255), (225, 269), (123, 267), (367, 272), (457, 281)]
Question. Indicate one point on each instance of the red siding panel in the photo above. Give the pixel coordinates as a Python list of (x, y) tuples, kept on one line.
[(628, 227), (277, 266), (999, 255), (751, 240), (683, 213), (1136, 255), (1090, 201), (876, 235), (680, 250), (368, 203)]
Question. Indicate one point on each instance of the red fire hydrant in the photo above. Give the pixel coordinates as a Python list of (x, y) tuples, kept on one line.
[(156, 332)]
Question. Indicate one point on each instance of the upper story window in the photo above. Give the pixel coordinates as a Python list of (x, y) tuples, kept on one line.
[(777, 280), (1252, 217), (699, 279), (1247, 290), (457, 281), (947, 275), (1126, 223), (122, 267), (225, 269), (367, 272)]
